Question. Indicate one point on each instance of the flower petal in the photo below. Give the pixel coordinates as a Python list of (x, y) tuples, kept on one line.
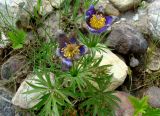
[(99, 30), (83, 49), (67, 62), (73, 40), (62, 40), (59, 53), (109, 20), (90, 11)]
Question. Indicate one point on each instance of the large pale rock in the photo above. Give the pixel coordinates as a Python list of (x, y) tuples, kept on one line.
[(119, 69), (126, 39), (124, 5), (154, 18), (27, 101)]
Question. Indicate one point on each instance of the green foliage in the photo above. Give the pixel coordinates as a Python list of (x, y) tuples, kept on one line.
[(86, 63), (7, 20), (85, 84), (139, 105), (71, 11), (37, 8), (143, 5), (87, 3), (42, 55), (52, 95), (97, 100), (93, 41), (17, 37), (142, 108), (152, 112), (68, 10)]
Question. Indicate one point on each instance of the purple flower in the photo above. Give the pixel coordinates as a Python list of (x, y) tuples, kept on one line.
[(69, 49), (97, 21)]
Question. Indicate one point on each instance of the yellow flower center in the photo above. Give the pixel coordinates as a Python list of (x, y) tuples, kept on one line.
[(71, 50), (97, 21)]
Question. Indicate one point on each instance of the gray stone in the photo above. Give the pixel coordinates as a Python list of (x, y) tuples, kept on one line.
[(154, 64), (6, 107), (142, 25), (134, 62), (124, 5), (12, 66), (126, 39), (51, 25), (128, 15), (149, 1), (46, 4), (125, 106), (154, 96), (154, 19), (16, 9), (138, 20)]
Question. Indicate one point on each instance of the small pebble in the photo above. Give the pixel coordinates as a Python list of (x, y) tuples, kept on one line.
[(134, 62)]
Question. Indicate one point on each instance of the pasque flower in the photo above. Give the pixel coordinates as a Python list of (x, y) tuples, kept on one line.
[(97, 21), (70, 49)]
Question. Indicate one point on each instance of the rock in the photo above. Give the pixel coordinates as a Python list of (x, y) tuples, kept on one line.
[(124, 5), (125, 106), (154, 96), (51, 25), (142, 25), (118, 68), (138, 20), (3, 45), (111, 10), (4, 41), (149, 1), (6, 107), (102, 3), (136, 17), (126, 39), (154, 64), (154, 19), (27, 101), (134, 62), (47, 5), (56, 3), (17, 6), (129, 15), (12, 66)]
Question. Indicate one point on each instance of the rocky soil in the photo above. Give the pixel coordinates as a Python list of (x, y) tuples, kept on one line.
[(134, 53)]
